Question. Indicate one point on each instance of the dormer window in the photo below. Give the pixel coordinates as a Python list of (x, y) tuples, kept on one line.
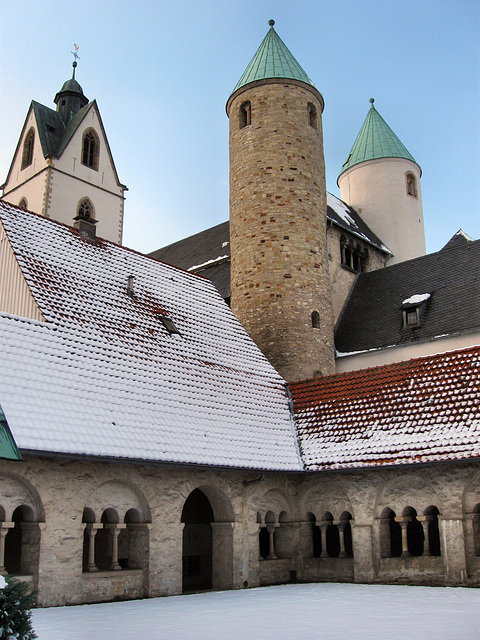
[(90, 149), (27, 156), (169, 325), (411, 185), (413, 309), (312, 115), (245, 114)]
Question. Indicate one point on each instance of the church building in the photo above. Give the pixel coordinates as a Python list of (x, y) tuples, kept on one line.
[(290, 396)]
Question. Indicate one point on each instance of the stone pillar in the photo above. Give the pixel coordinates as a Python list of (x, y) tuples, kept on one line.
[(404, 520), (91, 528), (453, 547), (222, 555), (4, 527), (115, 529), (362, 552)]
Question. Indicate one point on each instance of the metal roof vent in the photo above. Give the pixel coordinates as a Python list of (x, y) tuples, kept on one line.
[(130, 291)]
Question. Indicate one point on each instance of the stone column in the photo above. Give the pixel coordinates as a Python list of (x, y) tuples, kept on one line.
[(341, 536), (4, 527), (425, 520), (404, 520), (115, 529), (271, 530), (91, 528), (323, 531)]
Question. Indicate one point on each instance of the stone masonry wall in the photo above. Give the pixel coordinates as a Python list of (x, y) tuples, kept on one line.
[(54, 494), (279, 268)]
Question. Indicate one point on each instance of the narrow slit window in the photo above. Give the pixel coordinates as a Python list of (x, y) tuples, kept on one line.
[(90, 149), (312, 115), (27, 156), (245, 114)]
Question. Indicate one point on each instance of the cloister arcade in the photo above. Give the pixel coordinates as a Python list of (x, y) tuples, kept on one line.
[(131, 537)]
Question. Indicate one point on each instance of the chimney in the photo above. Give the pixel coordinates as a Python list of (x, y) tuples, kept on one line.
[(85, 226)]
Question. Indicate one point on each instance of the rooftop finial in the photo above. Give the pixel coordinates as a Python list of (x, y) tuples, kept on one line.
[(271, 23), (372, 100), (76, 57)]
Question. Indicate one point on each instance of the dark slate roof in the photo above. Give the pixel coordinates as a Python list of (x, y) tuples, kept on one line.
[(372, 317), (420, 410), (53, 134), (208, 252), (460, 238)]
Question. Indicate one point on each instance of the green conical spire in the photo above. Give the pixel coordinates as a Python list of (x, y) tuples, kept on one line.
[(375, 140), (272, 60)]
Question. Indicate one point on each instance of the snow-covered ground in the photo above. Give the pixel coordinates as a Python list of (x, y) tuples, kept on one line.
[(289, 612)]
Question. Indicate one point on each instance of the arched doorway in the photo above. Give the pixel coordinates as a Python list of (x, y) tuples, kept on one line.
[(197, 516)]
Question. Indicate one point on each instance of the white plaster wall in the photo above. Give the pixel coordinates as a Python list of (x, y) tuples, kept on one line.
[(380, 357), (377, 190)]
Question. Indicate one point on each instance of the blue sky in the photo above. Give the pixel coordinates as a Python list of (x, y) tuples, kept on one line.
[(162, 72)]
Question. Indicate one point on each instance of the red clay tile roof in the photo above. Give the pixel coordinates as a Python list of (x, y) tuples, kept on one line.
[(421, 410)]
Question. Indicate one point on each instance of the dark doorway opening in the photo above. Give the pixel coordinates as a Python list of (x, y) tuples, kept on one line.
[(197, 516)]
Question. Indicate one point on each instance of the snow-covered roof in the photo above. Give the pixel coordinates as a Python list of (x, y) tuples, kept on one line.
[(103, 376), (421, 410)]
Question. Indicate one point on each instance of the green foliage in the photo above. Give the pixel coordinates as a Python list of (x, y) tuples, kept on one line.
[(16, 600)]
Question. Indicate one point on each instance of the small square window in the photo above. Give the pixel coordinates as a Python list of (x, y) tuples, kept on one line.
[(411, 318)]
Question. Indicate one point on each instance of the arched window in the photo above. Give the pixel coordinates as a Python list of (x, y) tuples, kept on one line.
[(411, 184), (85, 209), (90, 149), (315, 320), (345, 529), (22, 543), (245, 114), (23, 204), (414, 532), (432, 533), (316, 536), (476, 530), (312, 115), (27, 156), (390, 535)]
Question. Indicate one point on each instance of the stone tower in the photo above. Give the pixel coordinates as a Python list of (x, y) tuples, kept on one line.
[(381, 180), (279, 269)]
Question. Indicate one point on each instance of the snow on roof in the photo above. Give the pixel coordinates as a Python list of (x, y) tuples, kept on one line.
[(416, 298), (103, 377), (340, 213), (421, 410)]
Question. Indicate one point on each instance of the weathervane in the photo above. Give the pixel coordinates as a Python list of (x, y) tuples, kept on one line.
[(76, 57)]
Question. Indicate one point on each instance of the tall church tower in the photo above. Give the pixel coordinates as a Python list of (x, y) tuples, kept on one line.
[(381, 180), (63, 167), (279, 266)]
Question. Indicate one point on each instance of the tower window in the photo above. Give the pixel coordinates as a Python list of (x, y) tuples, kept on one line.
[(90, 149), (353, 256), (315, 320), (411, 185), (312, 115), (85, 209), (27, 157), (245, 114), (23, 204)]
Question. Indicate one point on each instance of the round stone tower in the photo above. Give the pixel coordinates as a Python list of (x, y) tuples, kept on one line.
[(381, 180), (280, 287)]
